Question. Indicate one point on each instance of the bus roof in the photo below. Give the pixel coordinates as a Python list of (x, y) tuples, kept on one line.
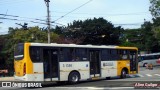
[(81, 46)]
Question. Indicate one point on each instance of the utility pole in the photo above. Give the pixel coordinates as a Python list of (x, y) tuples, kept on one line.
[(48, 19)]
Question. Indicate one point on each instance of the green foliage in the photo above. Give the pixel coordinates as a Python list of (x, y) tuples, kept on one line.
[(155, 8), (149, 41), (95, 31), (131, 37), (156, 29)]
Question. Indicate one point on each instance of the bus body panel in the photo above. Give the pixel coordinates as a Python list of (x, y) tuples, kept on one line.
[(38, 72), (67, 67), (122, 64), (29, 63), (26, 77), (19, 65), (108, 68)]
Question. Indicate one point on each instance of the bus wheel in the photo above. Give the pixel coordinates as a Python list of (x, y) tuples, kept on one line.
[(123, 74), (73, 77)]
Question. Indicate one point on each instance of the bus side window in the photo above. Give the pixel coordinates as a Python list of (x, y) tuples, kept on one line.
[(66, 54), (35, 54), (80, 54), (124, 54), (61, 56), (114, 54), (105, 55)]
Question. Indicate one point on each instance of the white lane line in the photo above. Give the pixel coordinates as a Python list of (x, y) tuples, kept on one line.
[(157, 74), (132, 76), (140, 75), (149, 75)]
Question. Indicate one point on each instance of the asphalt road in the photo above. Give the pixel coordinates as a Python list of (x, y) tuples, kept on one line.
[(145, 76)]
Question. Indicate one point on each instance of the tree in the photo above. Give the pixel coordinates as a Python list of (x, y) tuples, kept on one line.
[(149, 41), (155, 11), (132, 37), (97, 31), (155, 8), (156, 28)]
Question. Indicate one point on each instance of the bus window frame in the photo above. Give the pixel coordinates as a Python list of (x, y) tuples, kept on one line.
[(62, 55), (15, 49), (40, 54)]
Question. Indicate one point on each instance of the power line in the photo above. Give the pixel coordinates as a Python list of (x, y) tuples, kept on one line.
[(118, 14), (13, 19), (21, 17), (33, 21), (71, 11)]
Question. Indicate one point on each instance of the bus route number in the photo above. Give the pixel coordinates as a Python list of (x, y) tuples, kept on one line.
[(108, 64), (67, 65)]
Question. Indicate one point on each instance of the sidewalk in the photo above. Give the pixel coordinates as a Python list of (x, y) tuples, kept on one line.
[(7, 79)]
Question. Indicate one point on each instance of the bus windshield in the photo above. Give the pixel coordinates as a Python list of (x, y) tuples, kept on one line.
[(19, 52)]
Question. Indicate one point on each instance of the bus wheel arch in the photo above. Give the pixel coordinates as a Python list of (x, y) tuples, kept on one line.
[(74, 77), (124, 72)]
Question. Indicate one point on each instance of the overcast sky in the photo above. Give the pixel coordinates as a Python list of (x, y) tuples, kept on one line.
[(127, 13)]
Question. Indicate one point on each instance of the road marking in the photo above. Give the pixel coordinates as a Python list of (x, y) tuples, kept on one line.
[(157, 74), (149, 75), (140, 75), (132, 76)]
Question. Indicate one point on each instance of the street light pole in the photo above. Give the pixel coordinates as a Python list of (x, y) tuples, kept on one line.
[(48, 19)]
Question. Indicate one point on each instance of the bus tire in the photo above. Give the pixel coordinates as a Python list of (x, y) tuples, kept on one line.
[(144, 65), (73, 77), (123, 73)]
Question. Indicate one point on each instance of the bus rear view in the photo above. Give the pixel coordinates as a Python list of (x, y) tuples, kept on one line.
[(19, 61), (25, 69)]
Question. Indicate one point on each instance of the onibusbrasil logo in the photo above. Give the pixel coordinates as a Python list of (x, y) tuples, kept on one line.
[(21, 84)]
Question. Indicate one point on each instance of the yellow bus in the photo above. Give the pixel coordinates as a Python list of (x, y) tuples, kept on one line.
[(72, 63)]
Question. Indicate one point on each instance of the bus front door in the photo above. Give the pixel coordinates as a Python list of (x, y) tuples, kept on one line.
[(50, 64), (133, 61), (94, 63)]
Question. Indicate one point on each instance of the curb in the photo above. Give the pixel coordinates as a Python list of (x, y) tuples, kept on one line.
[(7, 79)]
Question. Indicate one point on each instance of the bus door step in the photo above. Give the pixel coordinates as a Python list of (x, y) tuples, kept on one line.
[(95, 78)]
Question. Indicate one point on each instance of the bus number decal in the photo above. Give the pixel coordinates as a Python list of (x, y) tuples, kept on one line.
[(67, 65), (108, 64)]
